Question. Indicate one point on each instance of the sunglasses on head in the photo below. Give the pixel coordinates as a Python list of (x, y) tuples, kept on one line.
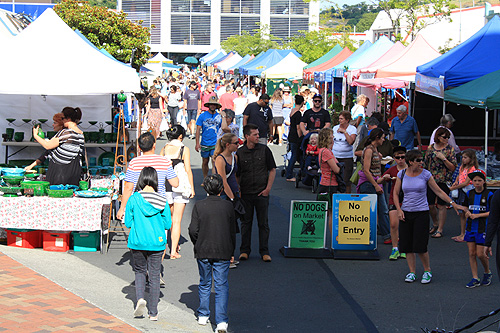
[(399, 157)]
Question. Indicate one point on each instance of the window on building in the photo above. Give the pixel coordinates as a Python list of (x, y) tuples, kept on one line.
[(288, 17), (238, 16), (190, 22)]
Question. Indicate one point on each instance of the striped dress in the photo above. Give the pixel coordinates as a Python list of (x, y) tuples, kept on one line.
[(65, 161)]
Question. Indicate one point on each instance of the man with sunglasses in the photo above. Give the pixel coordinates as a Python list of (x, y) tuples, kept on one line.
[(315, 118), (404, 128)]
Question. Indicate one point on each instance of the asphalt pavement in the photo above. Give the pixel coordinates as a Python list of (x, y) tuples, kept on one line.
[(288, 294)]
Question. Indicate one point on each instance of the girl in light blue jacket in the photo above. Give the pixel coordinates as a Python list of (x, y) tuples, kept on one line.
[(148, 216)]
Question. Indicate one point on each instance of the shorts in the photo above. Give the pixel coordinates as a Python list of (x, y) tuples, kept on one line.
[(207, 151), (330, 190), (431, 196), (348, 169), (475, 237), (174, 197), (191, 115), (278, 120), (392, 207), (414, 232)]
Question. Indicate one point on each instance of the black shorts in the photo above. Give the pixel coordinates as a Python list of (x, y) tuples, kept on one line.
[(431, 196), (392, 207), (349, 165), (414, 232)]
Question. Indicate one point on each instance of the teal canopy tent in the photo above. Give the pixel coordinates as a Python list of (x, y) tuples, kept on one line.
[(483, 93)]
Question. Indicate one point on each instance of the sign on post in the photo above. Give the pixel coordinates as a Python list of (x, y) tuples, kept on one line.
[(307, 224)]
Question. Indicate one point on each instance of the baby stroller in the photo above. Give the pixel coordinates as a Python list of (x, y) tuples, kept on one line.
[(308, 173)]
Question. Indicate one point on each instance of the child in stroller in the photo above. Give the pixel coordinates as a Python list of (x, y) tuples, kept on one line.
[(308, 173), (311, 157)]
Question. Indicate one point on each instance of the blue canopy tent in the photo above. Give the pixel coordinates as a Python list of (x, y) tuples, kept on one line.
[(254, 60), (326, 75), (477, 56), (169, 66), (243, 61), (208, 55), (372, 54), (284, 53), (217, 57), (338, 71), (483, 93), (257, 67)]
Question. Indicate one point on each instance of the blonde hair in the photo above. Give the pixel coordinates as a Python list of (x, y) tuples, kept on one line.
[(360, 98), (325, 137), (222, 143), (277, 95), (314, 135)]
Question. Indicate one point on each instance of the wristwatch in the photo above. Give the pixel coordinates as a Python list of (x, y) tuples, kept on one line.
[(451, 202)]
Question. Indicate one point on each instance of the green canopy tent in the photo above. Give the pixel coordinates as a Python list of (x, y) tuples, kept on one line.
[(483, 93), (327, 56)]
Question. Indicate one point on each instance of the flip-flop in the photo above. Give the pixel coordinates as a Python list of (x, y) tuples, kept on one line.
[(433, 230), (459, 240), (291, 180), (435, 235), (175, 256)]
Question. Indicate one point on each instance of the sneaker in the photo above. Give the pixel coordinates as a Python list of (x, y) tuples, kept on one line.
[(141, 309), (232, 265), (410, 277), (486, 279), (221, 328), (394, 255), (387, 241), (426, 278), (162, 283), (473, 283), (402, 255), (202, 320), (153, 318)]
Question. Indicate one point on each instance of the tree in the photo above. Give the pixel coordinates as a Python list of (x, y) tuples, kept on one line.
[(312, 44), (247, 43), (366, 21), (103, 3), (107, 29), (412, 10)]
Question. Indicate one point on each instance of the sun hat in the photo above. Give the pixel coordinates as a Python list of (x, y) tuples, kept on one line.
[(213, 100), (287, 88)]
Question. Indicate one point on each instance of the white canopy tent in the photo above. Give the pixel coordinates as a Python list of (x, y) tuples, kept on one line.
[(47, 67), (290, 67)]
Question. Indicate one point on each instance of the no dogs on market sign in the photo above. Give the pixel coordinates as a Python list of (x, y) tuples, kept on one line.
[(307, 224)]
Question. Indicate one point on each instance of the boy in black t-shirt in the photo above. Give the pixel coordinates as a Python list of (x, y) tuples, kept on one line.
[(315, 118)]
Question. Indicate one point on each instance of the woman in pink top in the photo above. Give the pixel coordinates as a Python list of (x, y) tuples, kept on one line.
[(328, 166), (463, 184)]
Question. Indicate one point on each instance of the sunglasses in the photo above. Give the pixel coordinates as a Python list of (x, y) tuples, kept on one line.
[(445, 136), (317, 101), (234, 143), (419, 159), (399, 157)]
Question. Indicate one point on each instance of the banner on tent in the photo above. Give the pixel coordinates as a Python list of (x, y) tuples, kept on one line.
[(365, 76), (433, 86)]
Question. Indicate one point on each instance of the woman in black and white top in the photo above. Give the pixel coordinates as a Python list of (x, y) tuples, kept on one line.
[(66, 150)]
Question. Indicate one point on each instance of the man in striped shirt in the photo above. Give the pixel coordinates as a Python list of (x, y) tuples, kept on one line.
[(161, 164)]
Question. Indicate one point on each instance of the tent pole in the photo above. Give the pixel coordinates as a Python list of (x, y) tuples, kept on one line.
[(486, 140), (326, 93), (444, 107)]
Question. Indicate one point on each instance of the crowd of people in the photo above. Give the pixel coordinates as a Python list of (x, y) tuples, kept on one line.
[(233, 124)]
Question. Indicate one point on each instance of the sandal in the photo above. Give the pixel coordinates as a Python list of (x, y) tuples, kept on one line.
[(433, 230), (291, 180), (175, 256), (437, 234)]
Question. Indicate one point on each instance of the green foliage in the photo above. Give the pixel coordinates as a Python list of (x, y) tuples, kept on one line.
[(411, 10), (103, 3), (312, 44), (351, 14), (366, 21), (107, 29), (251, 43)]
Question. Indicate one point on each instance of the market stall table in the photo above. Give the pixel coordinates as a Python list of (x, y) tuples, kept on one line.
[(26, 144), (62, 214)]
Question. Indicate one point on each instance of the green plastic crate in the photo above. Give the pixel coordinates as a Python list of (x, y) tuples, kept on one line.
[(86, 241)]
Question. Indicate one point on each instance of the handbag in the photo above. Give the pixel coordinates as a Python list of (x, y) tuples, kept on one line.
[(164, 124), (355, 175), (184, 186)]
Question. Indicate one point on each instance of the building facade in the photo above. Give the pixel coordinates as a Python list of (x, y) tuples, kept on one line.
[(199, 26)]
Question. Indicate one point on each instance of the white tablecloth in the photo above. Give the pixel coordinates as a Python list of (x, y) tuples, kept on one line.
[(44, 213)]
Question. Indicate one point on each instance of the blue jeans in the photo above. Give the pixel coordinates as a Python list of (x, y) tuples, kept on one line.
[(239, 122), (219, 269), (382, 209), (147, 263), (294, 149)]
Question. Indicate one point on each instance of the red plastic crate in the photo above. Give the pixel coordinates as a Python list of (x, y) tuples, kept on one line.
[(57, 241), (25, 238)]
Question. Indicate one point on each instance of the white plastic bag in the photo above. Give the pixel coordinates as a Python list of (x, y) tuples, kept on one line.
[(164, 124)]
